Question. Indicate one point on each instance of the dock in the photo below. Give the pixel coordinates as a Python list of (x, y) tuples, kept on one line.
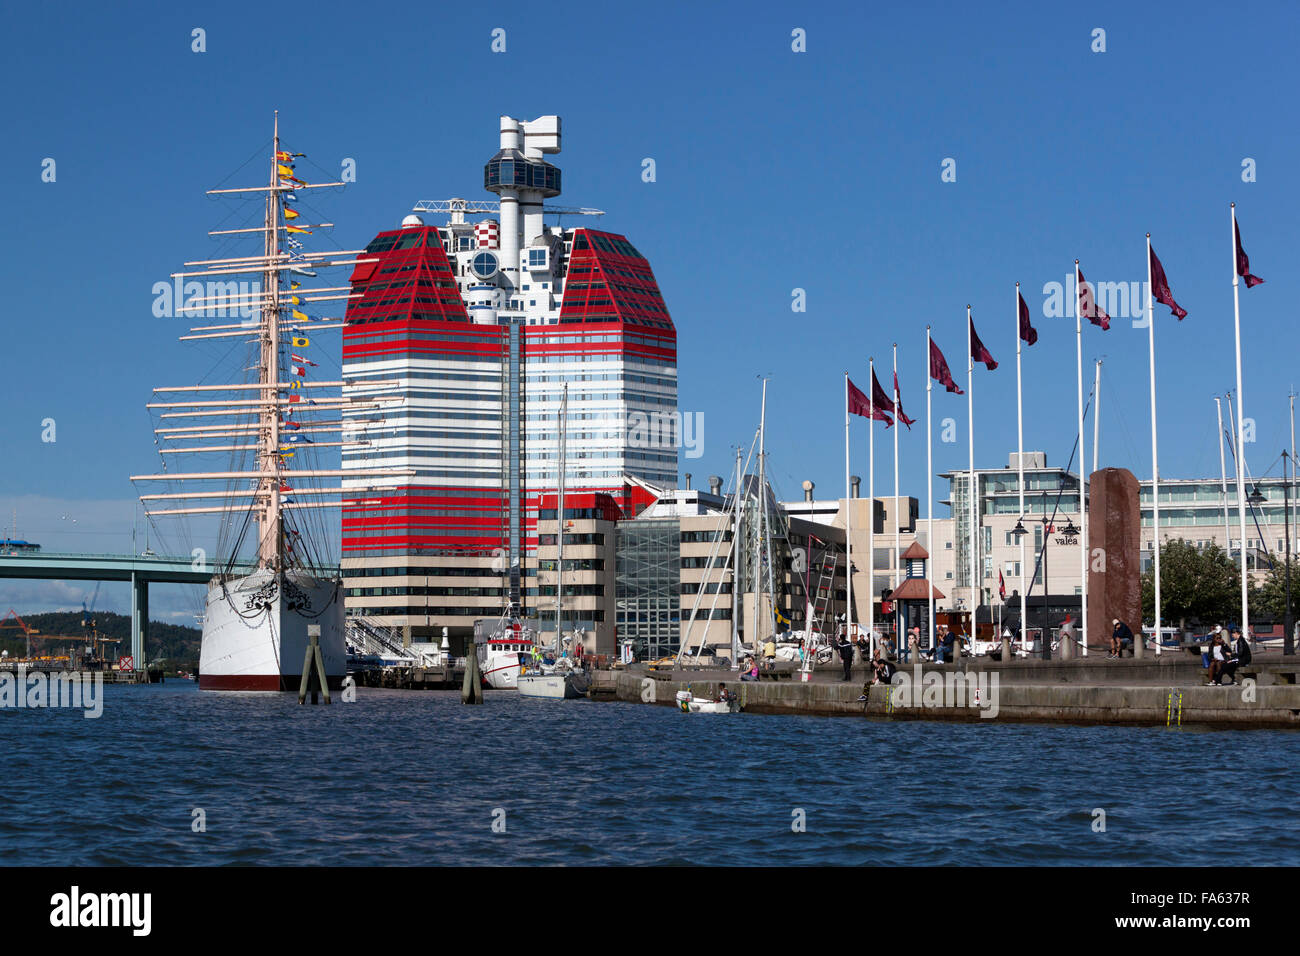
[(1169, 691)]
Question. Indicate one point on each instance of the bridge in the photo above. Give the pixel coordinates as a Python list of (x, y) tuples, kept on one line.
[(141, 570)]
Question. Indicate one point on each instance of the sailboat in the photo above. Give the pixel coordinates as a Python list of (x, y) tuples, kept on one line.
[(564, 679), (261, 607)]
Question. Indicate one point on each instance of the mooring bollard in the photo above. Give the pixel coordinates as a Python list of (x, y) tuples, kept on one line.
[(1139, 642), (1007, 654)]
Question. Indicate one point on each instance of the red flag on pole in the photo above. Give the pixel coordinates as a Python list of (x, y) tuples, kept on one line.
[(878, 395), (1243, 261), (1087, 304), (1160, 285), (898, 409), (1027, 332), (939, 370), (1002, 586), (859, 405), (977, 350)]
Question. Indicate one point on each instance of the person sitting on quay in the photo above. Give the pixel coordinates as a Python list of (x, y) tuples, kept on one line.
[(1222, 663), (750, 670), (1241, 647), (1119, 637), (882, 669)]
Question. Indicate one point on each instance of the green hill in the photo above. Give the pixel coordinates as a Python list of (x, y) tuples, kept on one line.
[(177, 644)]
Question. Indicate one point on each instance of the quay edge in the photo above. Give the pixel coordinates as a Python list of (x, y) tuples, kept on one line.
[(1144, 704)]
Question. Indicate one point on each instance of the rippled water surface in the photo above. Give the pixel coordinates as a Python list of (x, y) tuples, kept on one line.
[(417, 778)]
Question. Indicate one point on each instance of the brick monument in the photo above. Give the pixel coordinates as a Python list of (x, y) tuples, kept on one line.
[(1114, 549)]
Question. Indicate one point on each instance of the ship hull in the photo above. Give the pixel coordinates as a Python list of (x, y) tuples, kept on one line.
[(255, 631)]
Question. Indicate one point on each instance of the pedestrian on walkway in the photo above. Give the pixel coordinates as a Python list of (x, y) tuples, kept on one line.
[(846, 649)]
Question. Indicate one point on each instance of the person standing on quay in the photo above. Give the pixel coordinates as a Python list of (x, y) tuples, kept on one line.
[(846, 649)]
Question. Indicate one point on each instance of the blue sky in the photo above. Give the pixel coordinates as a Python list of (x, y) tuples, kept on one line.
[(775, 170)]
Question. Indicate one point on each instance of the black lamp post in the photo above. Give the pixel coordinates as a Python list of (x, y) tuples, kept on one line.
[(1254, 499)]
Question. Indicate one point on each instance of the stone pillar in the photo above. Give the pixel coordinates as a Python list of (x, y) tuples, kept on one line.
[(139, 618), (1114, 543)]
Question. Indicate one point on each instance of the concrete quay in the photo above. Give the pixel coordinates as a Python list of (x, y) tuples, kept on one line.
[(1159, 692)]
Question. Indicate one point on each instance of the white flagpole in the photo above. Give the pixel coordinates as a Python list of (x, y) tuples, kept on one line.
[(1241, 435), (1096, 415), (1223, 477), (894, 578), (929, 485), (1020, 470), (848, 521), (1083, 498), (970, 488), (871, 506), (1155, 462)]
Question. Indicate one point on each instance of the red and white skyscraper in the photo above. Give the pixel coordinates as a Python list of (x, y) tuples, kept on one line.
[(481, 322)]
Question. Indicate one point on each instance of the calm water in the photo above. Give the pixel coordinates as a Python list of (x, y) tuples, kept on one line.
[(415, 778)]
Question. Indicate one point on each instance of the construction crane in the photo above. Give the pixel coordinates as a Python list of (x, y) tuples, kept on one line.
[(21, 625)]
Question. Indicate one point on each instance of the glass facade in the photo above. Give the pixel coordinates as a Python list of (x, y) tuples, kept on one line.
[(647, 581)]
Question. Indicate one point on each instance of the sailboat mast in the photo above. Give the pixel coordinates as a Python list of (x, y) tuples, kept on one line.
[(271, 543), (559, 517)]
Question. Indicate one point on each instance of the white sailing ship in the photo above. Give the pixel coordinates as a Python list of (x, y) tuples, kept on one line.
[(272, 578)]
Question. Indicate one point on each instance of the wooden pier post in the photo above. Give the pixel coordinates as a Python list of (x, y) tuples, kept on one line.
[(313, 669), (471, 688)]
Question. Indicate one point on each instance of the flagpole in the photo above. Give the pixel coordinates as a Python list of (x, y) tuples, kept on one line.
[(1083, 502), (1223, 476), (1241, 435), (1155, 462), (871, 507), (848, 524), (897, 551), (1020, 469), (970, 488), (929, 484)]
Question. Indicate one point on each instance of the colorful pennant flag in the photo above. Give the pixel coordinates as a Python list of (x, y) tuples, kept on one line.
[(302, 316), (300, 342), (1160, 287), (299, 358), (297, 370), (291, 213), (939, 370), (298, 229)]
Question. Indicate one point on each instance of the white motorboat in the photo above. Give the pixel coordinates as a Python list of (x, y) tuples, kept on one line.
[(503, 649), (688, 703)]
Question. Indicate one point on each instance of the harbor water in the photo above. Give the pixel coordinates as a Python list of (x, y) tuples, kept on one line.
[(169, 775)]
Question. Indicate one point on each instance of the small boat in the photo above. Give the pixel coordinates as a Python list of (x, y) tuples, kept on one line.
[(688, 703), (503, 648), (561, 684)]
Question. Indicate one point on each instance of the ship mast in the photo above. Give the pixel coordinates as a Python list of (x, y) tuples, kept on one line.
[(270, 549)]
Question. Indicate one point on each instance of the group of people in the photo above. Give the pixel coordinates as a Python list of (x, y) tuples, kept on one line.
[(1226, 654)]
